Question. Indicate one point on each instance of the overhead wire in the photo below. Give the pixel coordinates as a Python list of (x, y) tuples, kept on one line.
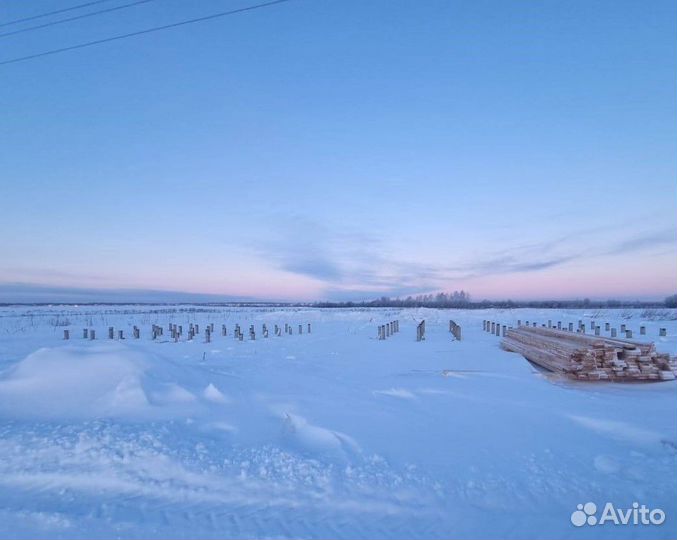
[(141, 32), (75, 18), (56, 12)]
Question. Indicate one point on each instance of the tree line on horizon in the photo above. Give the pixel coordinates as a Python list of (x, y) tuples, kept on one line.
[(455, 299), (461, 299)]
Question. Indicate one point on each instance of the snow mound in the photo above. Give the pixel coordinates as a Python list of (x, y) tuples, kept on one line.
[(310, 438), (75, 382), (401, 393), (212, 393)]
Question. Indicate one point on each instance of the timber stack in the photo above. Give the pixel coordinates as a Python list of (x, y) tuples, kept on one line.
[(590, 358)]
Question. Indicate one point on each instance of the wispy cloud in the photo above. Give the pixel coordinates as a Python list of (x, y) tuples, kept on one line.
[(44, 273), (510, 265), (645, 241), (561, 250), (36, 293), (354, 265)]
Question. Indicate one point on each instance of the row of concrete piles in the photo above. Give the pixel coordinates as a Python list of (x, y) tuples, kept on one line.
[(494, 328), (176, 331), (498, 329), (265, 332), (393, 327), (388, 329), (595, 328)]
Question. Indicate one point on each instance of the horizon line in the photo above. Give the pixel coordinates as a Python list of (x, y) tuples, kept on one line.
[(18, 293)]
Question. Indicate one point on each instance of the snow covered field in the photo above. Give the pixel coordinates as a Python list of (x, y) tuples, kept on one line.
[(328, 434)]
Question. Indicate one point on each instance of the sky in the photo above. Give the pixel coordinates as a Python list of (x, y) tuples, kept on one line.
[(342, 150)]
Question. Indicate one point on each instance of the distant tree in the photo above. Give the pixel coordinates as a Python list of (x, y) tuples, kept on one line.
[(671, 301), (461, 299)]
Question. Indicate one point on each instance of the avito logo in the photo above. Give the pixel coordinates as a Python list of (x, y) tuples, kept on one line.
[(586, 514)]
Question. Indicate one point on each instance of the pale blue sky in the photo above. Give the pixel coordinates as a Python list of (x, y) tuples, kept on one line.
[(344, 149)]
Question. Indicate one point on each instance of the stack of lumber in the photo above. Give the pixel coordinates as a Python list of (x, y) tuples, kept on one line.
[(592, 358)]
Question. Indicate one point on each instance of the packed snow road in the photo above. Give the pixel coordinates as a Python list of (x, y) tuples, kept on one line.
[(327, 434)]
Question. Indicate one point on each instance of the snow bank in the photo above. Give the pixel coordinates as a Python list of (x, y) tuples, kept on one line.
[(75, 382)]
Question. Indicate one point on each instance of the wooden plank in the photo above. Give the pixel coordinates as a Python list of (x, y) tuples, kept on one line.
[(590, 357)]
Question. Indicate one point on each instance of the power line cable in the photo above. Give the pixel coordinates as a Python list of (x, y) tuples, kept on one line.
[(140, 32), (69, 19), (40, 15)]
